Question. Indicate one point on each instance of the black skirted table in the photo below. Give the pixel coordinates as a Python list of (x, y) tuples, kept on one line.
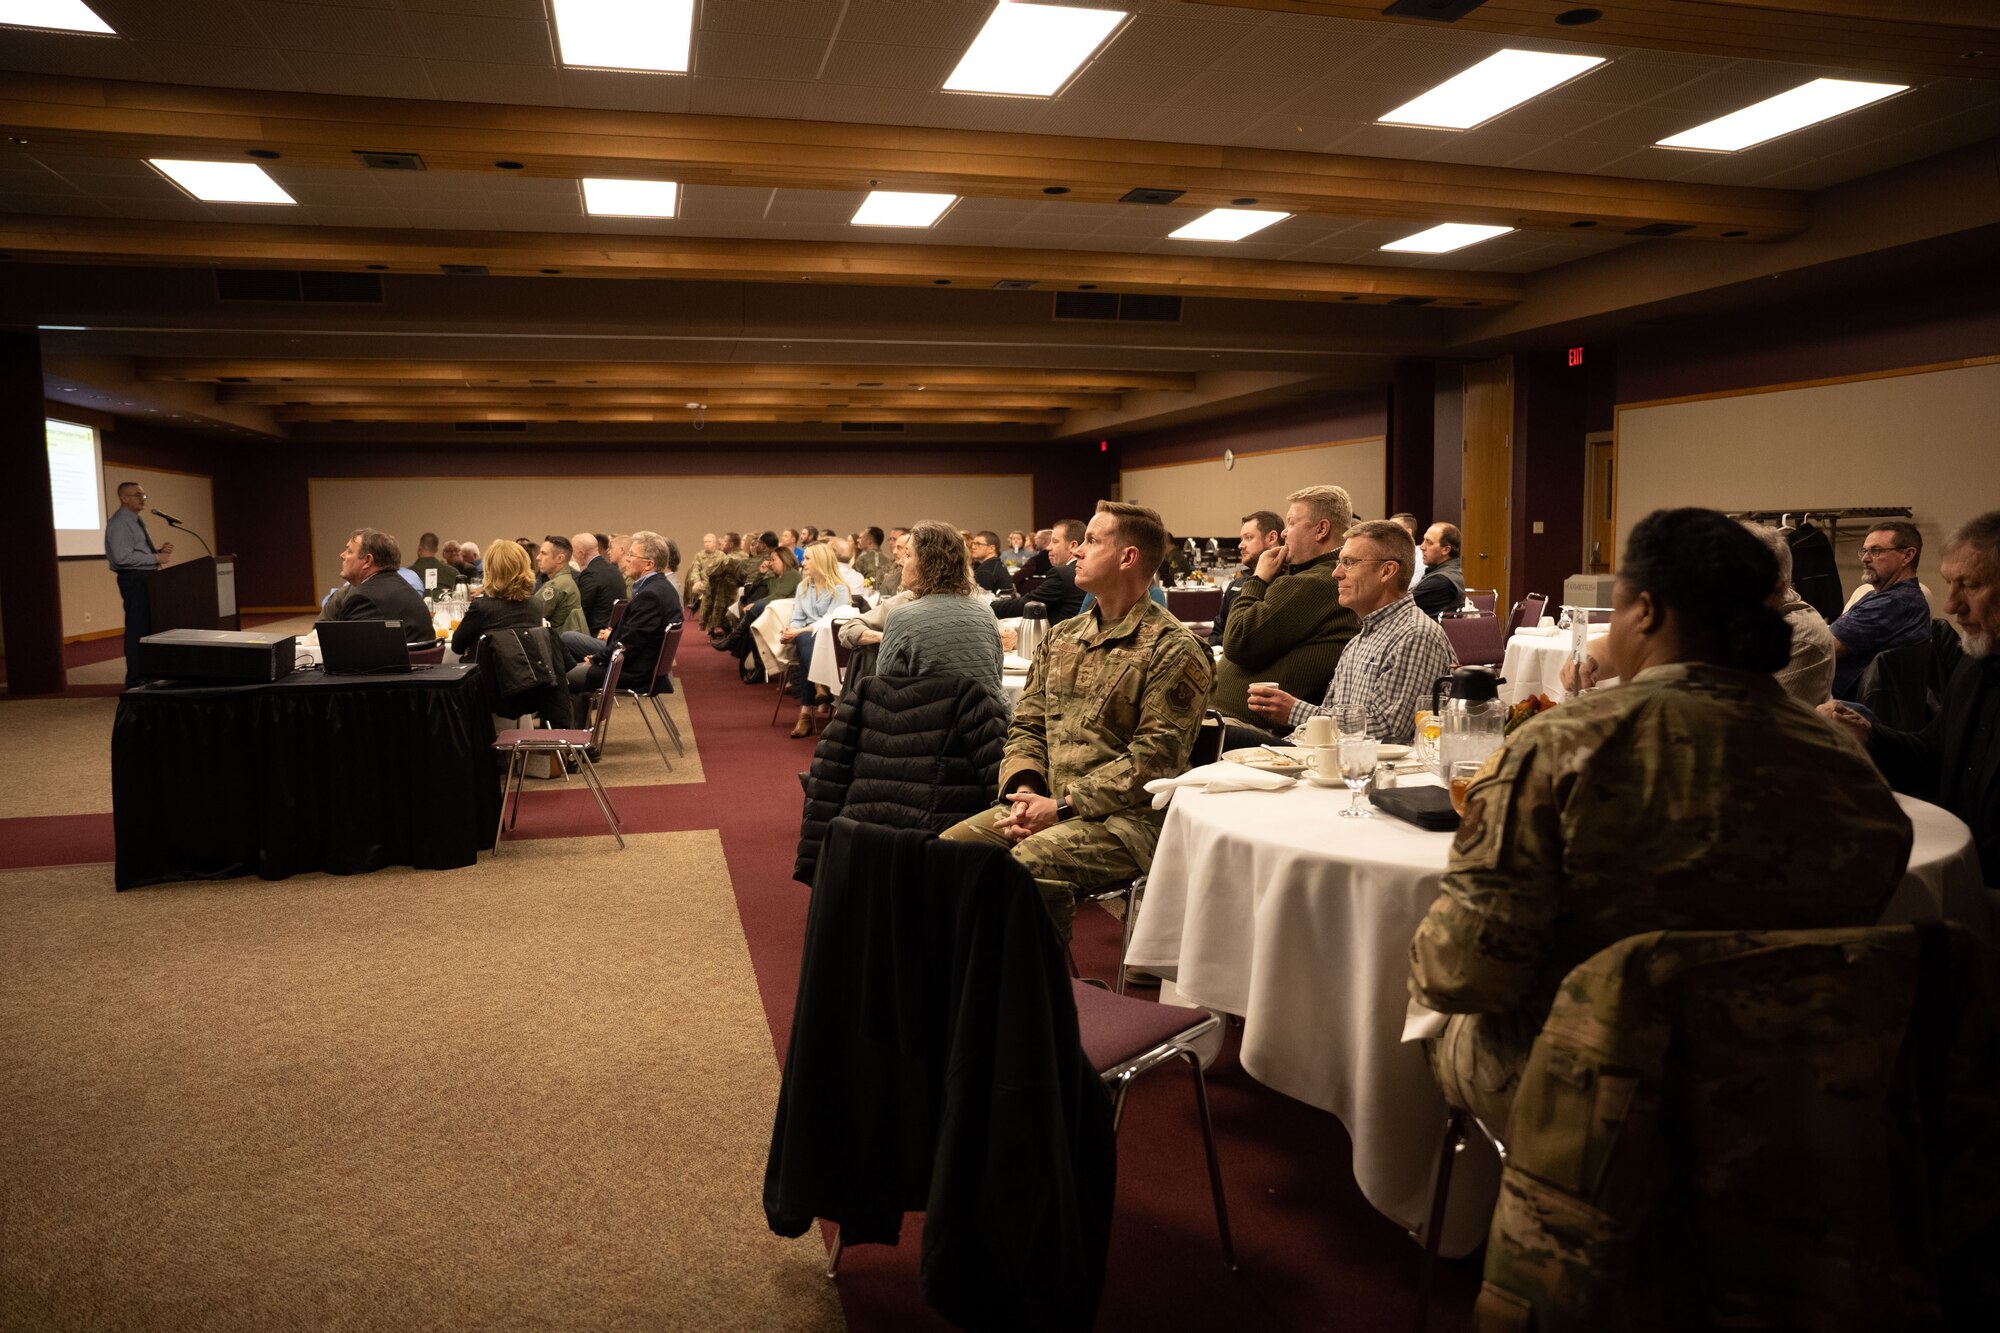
[(344, 774)]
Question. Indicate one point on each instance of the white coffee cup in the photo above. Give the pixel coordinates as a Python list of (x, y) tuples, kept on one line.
[(1326, 758), (1317, 731)]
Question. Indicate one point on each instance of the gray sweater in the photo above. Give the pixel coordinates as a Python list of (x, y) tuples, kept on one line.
[(943, 635)]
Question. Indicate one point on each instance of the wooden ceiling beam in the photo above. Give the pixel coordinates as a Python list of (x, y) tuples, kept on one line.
[(531, 254), (140, 120), (434, 415), (296, 395), (650, 374), (1913, 38)]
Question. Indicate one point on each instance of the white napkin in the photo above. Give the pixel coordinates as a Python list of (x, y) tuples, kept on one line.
[(1015, 664), (1224, 776)]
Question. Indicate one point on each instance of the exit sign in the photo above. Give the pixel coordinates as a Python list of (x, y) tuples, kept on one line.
[(1576, 356)]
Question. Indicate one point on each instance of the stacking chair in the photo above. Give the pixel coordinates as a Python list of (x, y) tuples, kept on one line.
[(1895, 685), (1476, 640), (582, 746), (430, 656), (1486, 599), (661, 683), (1527, 612)]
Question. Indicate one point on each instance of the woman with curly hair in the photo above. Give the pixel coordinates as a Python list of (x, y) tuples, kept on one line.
[(944, 632)]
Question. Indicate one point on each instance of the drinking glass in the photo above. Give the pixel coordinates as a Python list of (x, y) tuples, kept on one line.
[(1357, 759), (1427, 731), (1461, 775)]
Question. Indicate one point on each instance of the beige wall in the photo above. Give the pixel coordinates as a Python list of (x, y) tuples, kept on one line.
[(1925, 440), (90, 602), (1205, 499), (678, 507)]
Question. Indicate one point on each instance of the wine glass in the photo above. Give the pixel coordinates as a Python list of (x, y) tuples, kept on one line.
[(1357, 759), (1461, 775)]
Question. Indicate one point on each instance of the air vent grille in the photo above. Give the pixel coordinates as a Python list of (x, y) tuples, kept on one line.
[(1111, 305), (871, 427), (280, 284), (490, 426)]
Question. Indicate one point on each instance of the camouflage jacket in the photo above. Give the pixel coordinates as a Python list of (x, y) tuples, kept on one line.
[(868, 564), (1692, 797), (1108, 708), (1749, 1130), (704, 561)]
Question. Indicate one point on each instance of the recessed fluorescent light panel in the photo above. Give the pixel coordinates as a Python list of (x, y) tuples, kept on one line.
[(895, 208), (649, 35), (62, 15), (606, 198), (1498, 83), (1446, 237), (1807, 104), (1227, 224), (223, 182), (1031, 50)]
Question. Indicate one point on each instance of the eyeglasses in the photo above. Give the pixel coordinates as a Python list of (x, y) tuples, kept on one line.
[(1349, 562), (1881, 550)]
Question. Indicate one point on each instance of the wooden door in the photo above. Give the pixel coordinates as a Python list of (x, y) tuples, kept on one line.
[(1489, 474), (1600, 529)]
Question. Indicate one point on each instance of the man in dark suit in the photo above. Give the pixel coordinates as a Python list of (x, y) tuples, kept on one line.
[(1058, 592), (1037, 565), (375, 591), (598, 581), (988, 570), (654, 606)]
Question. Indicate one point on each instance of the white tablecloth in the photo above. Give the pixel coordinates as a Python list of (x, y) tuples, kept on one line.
[(1269, 906), (1534, 664)]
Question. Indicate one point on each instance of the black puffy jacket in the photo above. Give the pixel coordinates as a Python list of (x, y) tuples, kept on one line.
[(907, 752)]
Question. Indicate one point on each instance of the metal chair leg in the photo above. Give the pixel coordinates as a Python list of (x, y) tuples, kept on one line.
[(833, 1256), (1454, 1143), (520, 772), (596, 785), (500, 829), (638, 706), (673, 729), (1133, 894), (1214, 1166)]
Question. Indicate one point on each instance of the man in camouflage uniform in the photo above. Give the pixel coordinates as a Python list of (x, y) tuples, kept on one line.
[(560, 600), (697, 575), (1693, 797), (726, 578), (1114, 700), (869, 557)]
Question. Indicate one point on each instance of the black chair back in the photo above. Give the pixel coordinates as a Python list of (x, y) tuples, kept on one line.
[(1893, 686)]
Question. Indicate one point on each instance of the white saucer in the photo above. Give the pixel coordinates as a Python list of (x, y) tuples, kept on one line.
[(1319, 781)]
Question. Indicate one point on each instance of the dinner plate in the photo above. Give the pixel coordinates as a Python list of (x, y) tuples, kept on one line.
[(1288, 759), (1385, 750)]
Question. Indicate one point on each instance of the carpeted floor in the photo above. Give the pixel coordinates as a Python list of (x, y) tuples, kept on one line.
[(532, 1094), (68, 743)]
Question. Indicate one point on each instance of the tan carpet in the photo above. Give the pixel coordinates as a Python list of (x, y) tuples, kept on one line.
[(532, 1094), (62, 749)]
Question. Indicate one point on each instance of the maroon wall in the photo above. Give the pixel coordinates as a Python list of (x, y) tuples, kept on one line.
[(1354, 415)]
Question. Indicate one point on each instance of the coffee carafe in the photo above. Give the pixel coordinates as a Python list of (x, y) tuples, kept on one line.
[(1034, 625), (1472, 722)]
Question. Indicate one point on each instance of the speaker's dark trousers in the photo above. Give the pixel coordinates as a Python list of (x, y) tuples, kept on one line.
[(135, 589)]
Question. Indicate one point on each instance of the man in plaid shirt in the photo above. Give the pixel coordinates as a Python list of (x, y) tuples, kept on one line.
[(1387, 669)]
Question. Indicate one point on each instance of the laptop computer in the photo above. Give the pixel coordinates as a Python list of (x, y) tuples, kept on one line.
[(354, 647)]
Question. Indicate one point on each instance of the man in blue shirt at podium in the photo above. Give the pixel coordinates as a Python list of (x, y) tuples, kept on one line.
[(129, 549)]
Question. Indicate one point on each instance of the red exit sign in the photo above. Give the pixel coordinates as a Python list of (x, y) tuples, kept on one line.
[(1576, 356)]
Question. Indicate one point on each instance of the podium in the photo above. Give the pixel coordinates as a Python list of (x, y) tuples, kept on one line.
[(196, 594)]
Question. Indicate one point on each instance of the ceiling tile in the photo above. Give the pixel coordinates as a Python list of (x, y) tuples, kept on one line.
[(477, 81), (83, 57), (218, 21), (1290, 53), (1483, 146), (1097, 120), (1573, 154), (462, 219), (734, 55), (1107, 81), (774, 18), (1237, 92), (1340, 98), (611, 90), (1157, 39), (724, 203), (882, 66), (970, 111), (221, 66), (868, 106), (345, 28), (496, 9), (1417, 63), (1389, 141), (361, 75), (357, 217), (1197, 124), (498, 40), (936, 23), (747, 97), (1296, 133)]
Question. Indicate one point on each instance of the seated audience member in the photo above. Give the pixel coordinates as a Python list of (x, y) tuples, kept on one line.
[(1261, 531), (989, 571), (1443, 588), (1113, 701), (561, 601), (819, 594), (726, 582), (1058, 592), (469, 567), (1287, 623), (1693, 797), (598, 582), (1388, 668), (369, 562), (1808, 676), (869, 557), (448, 553), (1174, 565), (789, 537), (1039, 562), (508, 601), (887, 581), (942, 631), (1408, 523), (654, 606), (697, 579), (614, 551), (427, 564), (1893, 615), (867, 628), (673, 569), (1955, 760), (843, 556), (532, 549), (1016, 551)]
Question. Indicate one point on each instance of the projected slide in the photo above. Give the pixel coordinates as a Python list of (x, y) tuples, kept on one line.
[(77, 488)]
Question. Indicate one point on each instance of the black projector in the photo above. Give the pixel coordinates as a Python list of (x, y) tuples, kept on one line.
[(216, 654)]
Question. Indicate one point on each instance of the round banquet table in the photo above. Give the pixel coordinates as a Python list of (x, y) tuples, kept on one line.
[(1268, 906), (1534, 662)]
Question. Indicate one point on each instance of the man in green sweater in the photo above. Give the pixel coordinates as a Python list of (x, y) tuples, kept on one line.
[(1289, 626)]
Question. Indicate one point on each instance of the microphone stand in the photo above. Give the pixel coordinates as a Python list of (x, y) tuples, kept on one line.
[(176, 523)]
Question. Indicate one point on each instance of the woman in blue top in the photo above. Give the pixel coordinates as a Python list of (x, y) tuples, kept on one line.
[(819, 593)]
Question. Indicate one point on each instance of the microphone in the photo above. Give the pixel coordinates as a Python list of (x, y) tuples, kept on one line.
[(169, 519), (173, 522)]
